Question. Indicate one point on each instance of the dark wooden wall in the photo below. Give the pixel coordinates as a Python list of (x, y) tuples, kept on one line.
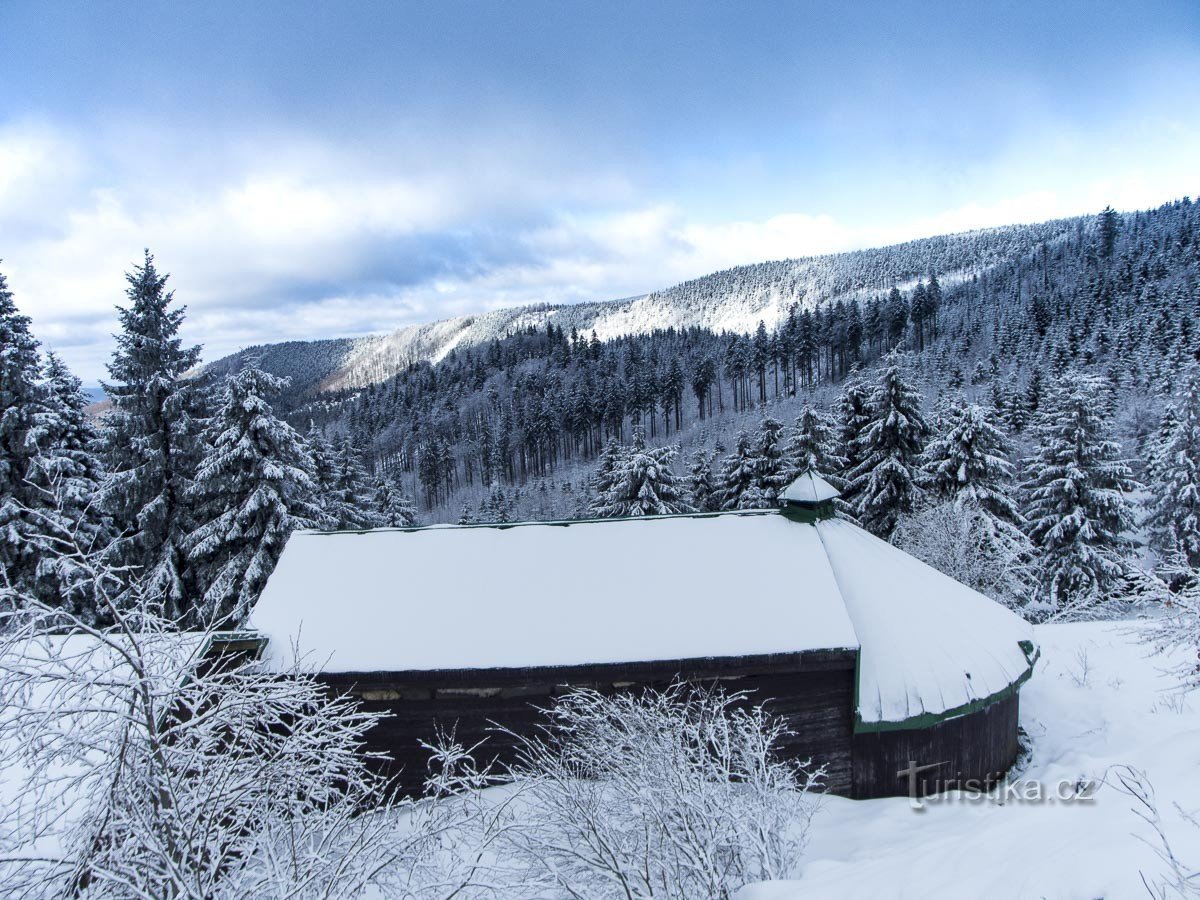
[(978, 748), (813, 691)]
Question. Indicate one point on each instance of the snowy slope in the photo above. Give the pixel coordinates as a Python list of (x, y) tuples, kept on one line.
[(1097, 701)]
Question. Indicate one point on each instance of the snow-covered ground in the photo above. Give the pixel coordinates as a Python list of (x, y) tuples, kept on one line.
[(1097, 700)]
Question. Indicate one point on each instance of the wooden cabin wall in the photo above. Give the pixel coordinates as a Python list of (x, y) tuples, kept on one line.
[(813, 691), (979, 748)]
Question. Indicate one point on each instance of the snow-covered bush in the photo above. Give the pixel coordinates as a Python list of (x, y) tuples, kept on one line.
[(137, 764), (971, 546), (1178, 625), (672, 793)]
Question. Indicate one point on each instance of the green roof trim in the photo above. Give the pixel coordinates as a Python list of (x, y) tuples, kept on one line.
[(562, 523), (928, 720), (808, 512)]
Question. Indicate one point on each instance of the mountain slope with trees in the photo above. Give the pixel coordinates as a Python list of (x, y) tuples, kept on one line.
[(1008, 390)]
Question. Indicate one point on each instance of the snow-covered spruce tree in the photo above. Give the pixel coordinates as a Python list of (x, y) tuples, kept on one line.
[(21, 408), (645, 483), (68, 473), (774, 470), (392, 507), (701, 484), (852, 417), (813, 446), (1174, 508), (739, 477), (968, 460), (253, 487), (883, 486), (346, 498), (611, 460), (324, 469), (151, 439), (497, 507), (971, 528), (1075, 495)]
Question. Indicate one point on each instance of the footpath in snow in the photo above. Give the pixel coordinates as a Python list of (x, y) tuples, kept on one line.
[(1097, 700)]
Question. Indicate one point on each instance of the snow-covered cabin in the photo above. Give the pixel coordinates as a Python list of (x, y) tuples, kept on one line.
[(874, 658)]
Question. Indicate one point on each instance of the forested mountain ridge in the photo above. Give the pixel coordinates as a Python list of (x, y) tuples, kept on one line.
[(1019, 400), (733, 300), (1115, 294)]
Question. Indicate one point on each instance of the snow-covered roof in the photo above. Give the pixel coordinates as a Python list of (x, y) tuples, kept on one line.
[(450, 597), (659, 588), (809, 488), (930, 646)]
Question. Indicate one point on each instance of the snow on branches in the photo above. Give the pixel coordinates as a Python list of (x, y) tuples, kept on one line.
[(1076, 491), (139, 763), (675, 793)]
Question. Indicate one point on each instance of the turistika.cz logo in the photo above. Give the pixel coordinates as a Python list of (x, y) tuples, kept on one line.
[(925, 789)]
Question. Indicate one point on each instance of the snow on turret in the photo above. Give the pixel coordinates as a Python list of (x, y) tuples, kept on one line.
[(809, 488), (809, 497)]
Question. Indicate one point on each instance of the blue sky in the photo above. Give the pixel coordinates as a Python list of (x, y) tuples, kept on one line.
[(318, 170)]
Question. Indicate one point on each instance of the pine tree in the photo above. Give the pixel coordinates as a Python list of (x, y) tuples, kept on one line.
[(918, 310), (853, 416), (1174, 507), (884, 484), (324, 468), (812, 446), (347, 498), (68, 473), (740, 477), (1107, 226), (645, 483), (774, 473), (151, 439), (392, 507), (22, 505), (1076, 505), (253, 487), (496, 508), (968, 461), (701, 485), (612, 457), (933, 303)]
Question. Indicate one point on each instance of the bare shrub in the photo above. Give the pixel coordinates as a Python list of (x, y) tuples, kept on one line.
[(672, 793), (134, 767)]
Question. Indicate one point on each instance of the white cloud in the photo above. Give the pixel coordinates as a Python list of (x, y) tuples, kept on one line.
[(287, 239)]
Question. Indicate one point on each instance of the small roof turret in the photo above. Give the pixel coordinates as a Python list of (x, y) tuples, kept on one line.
[(809, 489)]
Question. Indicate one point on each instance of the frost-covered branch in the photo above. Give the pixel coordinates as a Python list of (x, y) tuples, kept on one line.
[(673, 793)]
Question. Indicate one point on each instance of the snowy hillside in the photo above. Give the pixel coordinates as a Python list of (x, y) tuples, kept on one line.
[(734, 300)]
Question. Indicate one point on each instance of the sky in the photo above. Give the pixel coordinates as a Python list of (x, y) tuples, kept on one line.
[(323, 170)]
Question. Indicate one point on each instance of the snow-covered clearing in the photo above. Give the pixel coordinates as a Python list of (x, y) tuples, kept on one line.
[(1097, 700)]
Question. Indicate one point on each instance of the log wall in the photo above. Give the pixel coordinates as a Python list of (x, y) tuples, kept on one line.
[(813, 691), (979, 748)]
